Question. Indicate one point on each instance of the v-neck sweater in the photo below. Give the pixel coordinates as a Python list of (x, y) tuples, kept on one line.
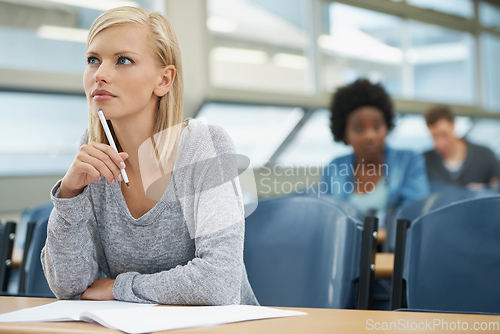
[(187, 250)]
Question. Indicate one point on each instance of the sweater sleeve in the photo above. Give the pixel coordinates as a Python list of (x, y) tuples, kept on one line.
[(210, 196), (69, 256)]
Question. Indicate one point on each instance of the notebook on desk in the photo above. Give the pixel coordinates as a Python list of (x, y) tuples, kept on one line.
[(143, 318)]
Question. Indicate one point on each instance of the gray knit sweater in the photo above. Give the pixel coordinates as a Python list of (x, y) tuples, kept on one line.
[(187, 250)]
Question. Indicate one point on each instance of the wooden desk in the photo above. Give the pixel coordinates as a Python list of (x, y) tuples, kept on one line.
[(384, 265), (381, 235), (316, 321), (17, 257)]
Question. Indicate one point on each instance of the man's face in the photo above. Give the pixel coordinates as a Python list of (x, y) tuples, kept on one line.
[(443, 133)]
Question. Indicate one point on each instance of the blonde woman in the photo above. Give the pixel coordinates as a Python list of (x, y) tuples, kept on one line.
[(175, 236)]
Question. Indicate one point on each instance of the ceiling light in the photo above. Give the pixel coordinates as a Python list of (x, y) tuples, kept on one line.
[(235, 55), (63, 33), (288, 60), (220, 24), (357, 44)]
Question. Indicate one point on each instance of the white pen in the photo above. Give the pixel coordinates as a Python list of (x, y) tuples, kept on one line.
[(111, 142)]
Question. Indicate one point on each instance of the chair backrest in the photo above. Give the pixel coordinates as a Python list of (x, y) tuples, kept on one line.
[(444, 196), (303, 252), (35, 282), (7, 236), (345, 206), (439, 186), (452, 258), (29, 220), (32, 214)]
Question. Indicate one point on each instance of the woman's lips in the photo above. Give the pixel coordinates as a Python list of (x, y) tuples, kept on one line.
[(372, 148), (102, 95)]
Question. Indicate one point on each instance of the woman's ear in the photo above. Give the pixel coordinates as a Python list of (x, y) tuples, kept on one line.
[(166, 81)]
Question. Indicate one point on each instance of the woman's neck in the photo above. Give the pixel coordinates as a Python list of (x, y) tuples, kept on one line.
[(131, 134)]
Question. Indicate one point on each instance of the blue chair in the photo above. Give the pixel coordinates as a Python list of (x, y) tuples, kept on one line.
[(29, 220), (306, 252), (438, 186), (345, 206), (449, 259), (7, 236), (442, 195), (35, 283), (32, 214)]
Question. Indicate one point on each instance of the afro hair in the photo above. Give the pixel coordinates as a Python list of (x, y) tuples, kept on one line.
[(358, 94)]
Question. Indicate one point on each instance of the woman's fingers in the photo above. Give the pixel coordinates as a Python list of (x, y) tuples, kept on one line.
[(123, 155), (114, 156), (100, 166), (92, 162), (102, 162)]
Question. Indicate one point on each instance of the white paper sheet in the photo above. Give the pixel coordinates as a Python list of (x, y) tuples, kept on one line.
[(169, 318), (142, 318), (67, 310)]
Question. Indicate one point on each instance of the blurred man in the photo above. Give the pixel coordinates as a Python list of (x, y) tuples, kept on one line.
[(453, 159)]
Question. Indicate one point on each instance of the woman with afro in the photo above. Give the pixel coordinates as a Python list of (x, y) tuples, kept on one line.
[(375, 176)]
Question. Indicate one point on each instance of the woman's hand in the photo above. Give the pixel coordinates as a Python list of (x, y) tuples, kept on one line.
[(102, 289), (92, 162)]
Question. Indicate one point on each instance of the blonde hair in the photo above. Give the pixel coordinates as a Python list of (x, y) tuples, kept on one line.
[(165, 47)]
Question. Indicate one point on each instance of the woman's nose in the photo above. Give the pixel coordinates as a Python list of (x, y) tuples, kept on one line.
[(370, 134), (102, 74)]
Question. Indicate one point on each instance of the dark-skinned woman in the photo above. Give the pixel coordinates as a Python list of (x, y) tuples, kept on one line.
[(375, 176)]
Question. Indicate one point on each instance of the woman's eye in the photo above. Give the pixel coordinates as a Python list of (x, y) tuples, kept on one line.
[(125, 61), (92, 60)]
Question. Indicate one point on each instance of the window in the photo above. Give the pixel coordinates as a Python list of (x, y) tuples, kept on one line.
[(489, 15), (443, 64), (410, 132), (48, 36), (486, 132), (27, 51), (314, 144), (39, 133), (257, 131), (362, 43), (259, 45), (491, 71)]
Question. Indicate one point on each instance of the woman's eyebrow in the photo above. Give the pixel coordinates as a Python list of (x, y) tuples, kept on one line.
[(122, 52), (93, 53)]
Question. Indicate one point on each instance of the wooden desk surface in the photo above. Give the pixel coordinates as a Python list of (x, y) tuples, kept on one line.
[(316, 321)]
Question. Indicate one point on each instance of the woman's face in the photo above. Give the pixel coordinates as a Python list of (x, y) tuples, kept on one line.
[(366, 130), (122, 74)]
